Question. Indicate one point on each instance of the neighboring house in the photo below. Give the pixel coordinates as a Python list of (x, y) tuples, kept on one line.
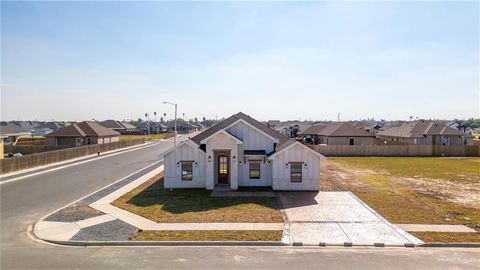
[(291, 129), (338, 134), (273, 123), (183, 127), (198, 126), (41, 131), (240, 151), (11, 131), (151, 127), (27, 126), (82, 133), (425, 132), (45, 128), (121, 127)]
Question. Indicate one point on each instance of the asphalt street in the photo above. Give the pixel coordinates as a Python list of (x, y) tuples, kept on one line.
[(25, 201)]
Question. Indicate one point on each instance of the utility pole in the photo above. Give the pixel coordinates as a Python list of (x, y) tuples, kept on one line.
[(338, 117), (175, 127)]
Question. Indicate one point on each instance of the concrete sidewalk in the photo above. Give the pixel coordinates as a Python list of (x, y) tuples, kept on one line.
[(95, 219)]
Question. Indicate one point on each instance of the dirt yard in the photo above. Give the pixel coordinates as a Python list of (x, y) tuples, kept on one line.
[(411, 190)]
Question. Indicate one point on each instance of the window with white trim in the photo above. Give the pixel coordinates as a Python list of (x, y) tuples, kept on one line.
[(295, 172), (187, 170), (254, 169)]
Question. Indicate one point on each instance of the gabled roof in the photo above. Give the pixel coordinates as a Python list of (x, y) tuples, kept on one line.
[(291, 143), (420, 128), (337, 130), (237, 140), (313, 130), (233, 119), (9, 128), (113, 124), (83, 129), (50, 125)]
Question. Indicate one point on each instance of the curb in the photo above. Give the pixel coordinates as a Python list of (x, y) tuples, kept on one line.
[(166, 243), (440, 244)]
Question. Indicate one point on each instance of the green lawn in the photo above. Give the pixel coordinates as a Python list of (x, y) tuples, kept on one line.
[(209, 236), (384, 184), (152, 201)]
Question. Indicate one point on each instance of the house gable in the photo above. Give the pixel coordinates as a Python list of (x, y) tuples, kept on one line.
[(253, 138)]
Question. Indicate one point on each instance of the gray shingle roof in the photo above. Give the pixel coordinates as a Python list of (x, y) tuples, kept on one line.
[(418, 129), (84, 129), (232, 119), (337, 130)]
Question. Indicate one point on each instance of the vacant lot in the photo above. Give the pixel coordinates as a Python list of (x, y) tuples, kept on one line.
[(147, 137), (413, 190), (152, 201)]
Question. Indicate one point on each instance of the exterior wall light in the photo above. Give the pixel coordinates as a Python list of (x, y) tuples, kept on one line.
[(196, 164), (305, 165), (269, 163), (240, 163), (209, 159), (178, 164), (286, 165), (234, 159)]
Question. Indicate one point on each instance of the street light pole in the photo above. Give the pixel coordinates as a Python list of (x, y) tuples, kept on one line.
[(175, 127)]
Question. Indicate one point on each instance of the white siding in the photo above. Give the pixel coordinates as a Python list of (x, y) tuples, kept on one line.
[(252, 138), (222, 141), (173, 173), (265, 173), (310, 175)]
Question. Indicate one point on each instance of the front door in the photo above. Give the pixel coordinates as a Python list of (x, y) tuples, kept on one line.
[(222, 171)]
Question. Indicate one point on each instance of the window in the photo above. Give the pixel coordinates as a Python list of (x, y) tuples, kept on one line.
[(78, 141), (351, 141), (296, 172), (254, 170), (187, 170)]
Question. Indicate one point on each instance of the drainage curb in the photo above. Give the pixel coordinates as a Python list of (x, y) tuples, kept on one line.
[(166, 243), (440, 244)]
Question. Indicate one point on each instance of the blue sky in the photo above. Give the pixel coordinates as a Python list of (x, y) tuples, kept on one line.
[(271, 60)]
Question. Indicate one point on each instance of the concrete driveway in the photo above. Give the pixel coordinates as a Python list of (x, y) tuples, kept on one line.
[(338, 218)]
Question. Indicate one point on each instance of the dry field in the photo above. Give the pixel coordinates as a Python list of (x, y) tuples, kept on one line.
[(413, 190)]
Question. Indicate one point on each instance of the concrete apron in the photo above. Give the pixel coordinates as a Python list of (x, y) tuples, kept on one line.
[(338, 219)]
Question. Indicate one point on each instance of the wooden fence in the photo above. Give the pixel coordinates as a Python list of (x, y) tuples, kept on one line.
[(29, 161), (31, 149), (408, 150)]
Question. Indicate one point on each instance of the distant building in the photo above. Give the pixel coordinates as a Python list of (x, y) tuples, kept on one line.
[(121, 127), (11, 131), (151, 127), (82, 133), (273, 123), (337, 134), (425, 132), (291, 129)]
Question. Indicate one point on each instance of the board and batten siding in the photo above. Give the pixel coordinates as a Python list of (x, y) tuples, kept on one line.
[(252, 138), (310, 175), (173, 177), (265, 174)]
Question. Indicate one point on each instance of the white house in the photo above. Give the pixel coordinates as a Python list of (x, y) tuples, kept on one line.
[(240, 151)]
